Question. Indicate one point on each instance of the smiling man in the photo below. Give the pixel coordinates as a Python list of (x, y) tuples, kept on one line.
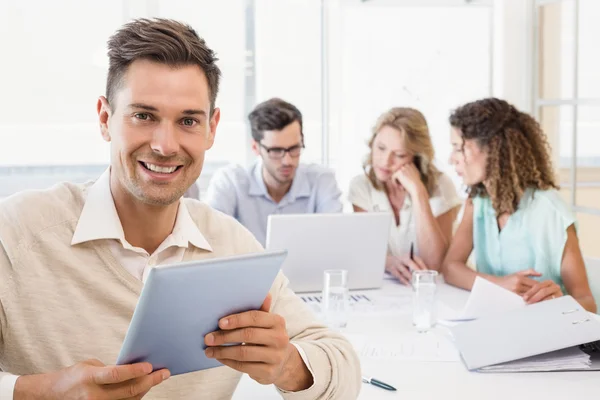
[(277, 183), (73, 258)]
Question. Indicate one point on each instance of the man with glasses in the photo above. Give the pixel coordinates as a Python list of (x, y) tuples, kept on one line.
[(277, 183)]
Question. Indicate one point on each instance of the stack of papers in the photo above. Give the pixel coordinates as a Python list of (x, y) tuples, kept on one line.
[(546, 336), (368, 303), (568, 359)]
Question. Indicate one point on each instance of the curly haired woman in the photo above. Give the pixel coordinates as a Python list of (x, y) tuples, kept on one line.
[(523, 234)]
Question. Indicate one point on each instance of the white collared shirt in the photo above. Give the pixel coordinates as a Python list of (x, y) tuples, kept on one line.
[(99, 221), (364, 195)]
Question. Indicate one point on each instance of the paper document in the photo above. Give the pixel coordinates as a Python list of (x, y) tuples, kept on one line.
[(487, 298), (373, 304), (412, 346), (355, 301), (571, 358)]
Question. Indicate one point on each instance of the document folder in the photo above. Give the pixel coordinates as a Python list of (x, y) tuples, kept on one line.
[(530, 331)]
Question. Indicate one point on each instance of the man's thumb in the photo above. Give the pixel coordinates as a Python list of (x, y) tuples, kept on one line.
[(266, 305)]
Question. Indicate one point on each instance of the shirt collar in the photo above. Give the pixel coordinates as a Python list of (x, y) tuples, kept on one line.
[(186, 230), (526, 199), (300, 185), (257, 184), (99, 219), (381, 201)]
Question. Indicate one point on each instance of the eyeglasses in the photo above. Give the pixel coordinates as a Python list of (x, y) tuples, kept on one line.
[(276, 153)]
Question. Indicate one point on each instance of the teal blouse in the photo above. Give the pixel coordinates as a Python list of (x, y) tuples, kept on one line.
[(534, 236)]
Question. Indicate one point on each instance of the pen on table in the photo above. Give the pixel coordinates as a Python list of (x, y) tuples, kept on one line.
[(378, 383)]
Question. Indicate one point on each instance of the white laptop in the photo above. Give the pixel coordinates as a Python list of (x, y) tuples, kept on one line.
[(356, 242)]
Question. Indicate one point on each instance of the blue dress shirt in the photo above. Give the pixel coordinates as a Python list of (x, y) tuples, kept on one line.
[(242, 193)]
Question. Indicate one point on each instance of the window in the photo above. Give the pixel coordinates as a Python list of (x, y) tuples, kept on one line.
[(342, 62), (404, 54), (567, 100), (52, 74), (288, 62), (55, 68), (568, 92)]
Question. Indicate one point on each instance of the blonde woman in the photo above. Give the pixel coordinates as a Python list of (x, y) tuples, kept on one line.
[(400, 178)]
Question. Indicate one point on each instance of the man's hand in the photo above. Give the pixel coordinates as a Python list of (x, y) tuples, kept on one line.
[(545, 290), (519, 282), (402, 268), (265, 354), (91, 379)]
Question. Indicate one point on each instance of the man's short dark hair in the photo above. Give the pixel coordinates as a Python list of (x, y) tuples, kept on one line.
[(273, 115), (164, 41)]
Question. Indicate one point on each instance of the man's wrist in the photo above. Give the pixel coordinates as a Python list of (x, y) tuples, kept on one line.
[(30, 387), (295, 375)]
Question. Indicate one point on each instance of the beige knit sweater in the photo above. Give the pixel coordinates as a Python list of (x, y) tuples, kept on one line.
[(61, 304)]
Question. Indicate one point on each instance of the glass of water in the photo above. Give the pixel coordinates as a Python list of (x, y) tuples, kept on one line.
[(424, 287), (335, 298)]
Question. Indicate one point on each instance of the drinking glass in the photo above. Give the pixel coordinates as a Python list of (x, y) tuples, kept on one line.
[(424, 288), (335, 298)]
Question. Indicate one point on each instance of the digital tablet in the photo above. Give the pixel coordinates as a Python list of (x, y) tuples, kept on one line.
[(181, 303)]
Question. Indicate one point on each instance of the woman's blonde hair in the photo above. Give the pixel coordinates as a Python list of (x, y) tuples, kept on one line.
[(413, 127)]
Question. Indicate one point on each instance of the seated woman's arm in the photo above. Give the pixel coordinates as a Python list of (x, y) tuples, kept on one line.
[(455, 270), (573, 274), (446, 223), (432, 237), (457, 273)]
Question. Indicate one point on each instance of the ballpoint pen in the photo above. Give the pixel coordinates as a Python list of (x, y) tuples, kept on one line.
[(377, 383)]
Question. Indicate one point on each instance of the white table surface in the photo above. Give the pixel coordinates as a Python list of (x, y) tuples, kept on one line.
[(442, 380)]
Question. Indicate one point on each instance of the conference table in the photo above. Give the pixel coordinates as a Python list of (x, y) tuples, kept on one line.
[(393, 352)]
